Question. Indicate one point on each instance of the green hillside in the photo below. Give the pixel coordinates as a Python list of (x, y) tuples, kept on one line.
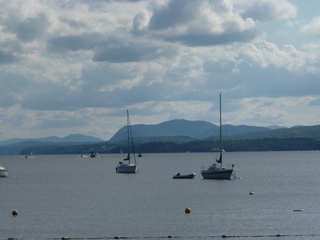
[(312, 132), (192, 129), (257, 139)]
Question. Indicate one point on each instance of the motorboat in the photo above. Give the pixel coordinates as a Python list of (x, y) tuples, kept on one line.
[(3, 172), (93, 154), (216, 150), (186, 176)]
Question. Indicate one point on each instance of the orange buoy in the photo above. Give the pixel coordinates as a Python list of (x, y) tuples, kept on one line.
[(187, 210)]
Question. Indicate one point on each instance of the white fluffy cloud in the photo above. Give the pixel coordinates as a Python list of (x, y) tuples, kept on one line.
[(266, 10), (313, 27), (75, 66)]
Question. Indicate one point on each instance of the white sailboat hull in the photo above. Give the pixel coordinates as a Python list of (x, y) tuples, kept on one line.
[(126, 168), (217, 173), (3, 172)]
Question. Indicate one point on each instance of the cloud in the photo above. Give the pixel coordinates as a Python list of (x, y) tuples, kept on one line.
[(88, 61), (209, 40), (30, 29), (7, 57), (197, 23), (267, 54), (140, 22), (267, 10), (70, 122), (73, 43), (313, 27), (133, 52)]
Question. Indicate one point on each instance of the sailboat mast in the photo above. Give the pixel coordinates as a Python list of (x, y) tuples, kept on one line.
[(128, 133), (132, 145), (220, 131)]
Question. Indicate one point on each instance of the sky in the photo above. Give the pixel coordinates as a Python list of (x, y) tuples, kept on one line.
[(75, 67)]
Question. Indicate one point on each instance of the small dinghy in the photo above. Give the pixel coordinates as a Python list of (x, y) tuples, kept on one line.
[(186, 176)]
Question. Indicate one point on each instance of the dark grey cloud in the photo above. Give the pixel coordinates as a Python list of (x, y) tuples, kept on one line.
[(7, 57), (121, 54), (28, 29), (261, 11), (173, 14), (9, 92), (213, 39), (266, 11), (133, 53), (176, 21), (94, 4), (73, 43)]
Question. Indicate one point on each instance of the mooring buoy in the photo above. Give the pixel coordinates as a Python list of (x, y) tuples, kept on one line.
[(14, 212), (187, 210)]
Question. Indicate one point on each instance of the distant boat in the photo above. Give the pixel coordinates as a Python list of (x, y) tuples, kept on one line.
[(216, 171), (3, 172), (93, 154), (216, 150), (130, 165), (186, 176)]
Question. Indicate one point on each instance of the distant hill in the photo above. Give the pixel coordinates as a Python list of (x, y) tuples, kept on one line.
[(69, 138), (201, 130), (192, 129), (175, 131), (312, 132), (15, 145)]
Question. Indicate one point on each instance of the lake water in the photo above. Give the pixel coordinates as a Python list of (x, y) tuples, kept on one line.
[(67, 196)]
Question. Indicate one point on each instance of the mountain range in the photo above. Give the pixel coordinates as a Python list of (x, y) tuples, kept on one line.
[(15, 145), (175, 130), (181, 127), (70, 138)]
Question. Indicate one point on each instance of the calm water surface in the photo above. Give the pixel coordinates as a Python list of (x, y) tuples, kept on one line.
[(84, 198)]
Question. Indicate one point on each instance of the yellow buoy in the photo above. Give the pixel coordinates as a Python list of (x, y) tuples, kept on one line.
[(187, 210), (14, 212)]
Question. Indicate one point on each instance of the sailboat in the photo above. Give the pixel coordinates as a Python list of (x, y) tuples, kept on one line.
[(216, 170), (3, 172), (129, 165)]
